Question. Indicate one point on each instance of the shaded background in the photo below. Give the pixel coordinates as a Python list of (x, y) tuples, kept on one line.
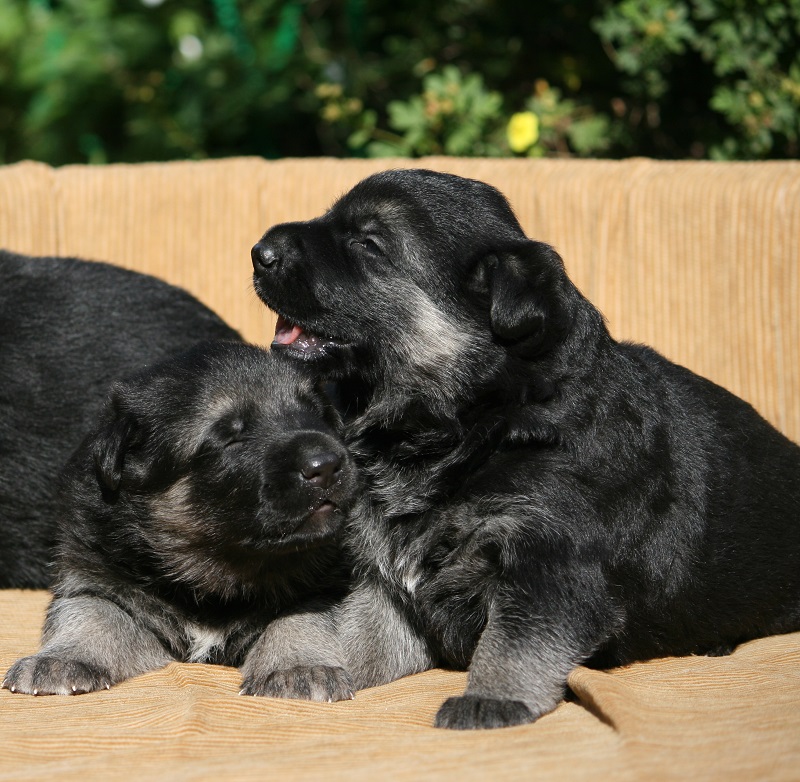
[(101, 81)]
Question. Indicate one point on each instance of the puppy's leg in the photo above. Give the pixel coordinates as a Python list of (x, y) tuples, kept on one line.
[(380, 643), (326, 653), (531, 642), (299, 655), (88, 644)]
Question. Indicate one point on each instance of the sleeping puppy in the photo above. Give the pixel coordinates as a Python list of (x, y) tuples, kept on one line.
[(539, 496), (67, 329), (208, 498)]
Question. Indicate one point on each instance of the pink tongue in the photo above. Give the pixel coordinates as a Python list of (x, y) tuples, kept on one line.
[(285, 332)]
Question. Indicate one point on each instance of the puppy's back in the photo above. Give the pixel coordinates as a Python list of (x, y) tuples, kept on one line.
[(68, 328), (740, 479)]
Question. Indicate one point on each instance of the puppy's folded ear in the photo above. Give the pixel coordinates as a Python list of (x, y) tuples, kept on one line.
[(529, 297), (111, 443)]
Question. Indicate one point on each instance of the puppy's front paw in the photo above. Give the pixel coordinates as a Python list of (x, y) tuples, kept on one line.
[(470, 712), (44, 675), (310, 683)]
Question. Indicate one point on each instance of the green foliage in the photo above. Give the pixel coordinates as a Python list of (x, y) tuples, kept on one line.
[(99, 80), (457, 115), (454, 115), (567, 126), (96, 80), (647, 33), (746, 51)]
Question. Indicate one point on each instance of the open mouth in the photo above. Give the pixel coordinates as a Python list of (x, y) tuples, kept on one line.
[(294, 339)]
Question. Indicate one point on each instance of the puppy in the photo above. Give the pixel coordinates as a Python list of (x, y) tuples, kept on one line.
[(538, 495), (208, 498), (67, 329)]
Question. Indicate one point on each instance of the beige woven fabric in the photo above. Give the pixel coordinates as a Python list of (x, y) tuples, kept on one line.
[(701, 260), (731, 718)]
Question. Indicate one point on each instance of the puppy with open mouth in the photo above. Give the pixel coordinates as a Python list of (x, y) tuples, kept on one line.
[(537, 494), (209, 498)]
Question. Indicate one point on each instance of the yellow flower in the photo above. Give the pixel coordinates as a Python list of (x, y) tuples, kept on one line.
[(654, 28), (522, 131), (331, 112), (327, 90)]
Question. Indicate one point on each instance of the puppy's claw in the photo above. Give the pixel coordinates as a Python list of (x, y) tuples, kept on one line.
[(321, 683), (50, 675), (471, 712)]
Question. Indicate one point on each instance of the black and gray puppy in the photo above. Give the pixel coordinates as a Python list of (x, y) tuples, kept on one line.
[(208, 498), (538, 495), (67, 329)]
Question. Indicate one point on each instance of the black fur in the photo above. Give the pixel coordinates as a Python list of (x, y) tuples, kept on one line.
[(538, 494), (208, 497), (67, 329)]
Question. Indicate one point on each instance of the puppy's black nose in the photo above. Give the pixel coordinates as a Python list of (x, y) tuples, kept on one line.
[(265, 257), (322, 469)]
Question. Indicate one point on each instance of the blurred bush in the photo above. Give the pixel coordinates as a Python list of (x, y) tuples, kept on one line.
[(96, 80), (733, 63), (458, 115)]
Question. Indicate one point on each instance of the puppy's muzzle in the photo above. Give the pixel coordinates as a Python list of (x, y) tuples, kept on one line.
[(282, 272)]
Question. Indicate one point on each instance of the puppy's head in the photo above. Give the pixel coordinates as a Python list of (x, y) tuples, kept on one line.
[(218, 467), (413, 275)]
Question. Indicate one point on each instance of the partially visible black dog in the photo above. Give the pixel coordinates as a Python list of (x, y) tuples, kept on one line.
[(538, 494), (67, 329), (208, 498)]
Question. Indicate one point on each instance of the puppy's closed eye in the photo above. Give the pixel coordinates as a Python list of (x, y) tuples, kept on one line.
[(228, 432), (236, 432), (366, 244)]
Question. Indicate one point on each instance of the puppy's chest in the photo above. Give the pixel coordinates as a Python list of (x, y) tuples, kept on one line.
[(205, 644), (442, 572), (213, 644)]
